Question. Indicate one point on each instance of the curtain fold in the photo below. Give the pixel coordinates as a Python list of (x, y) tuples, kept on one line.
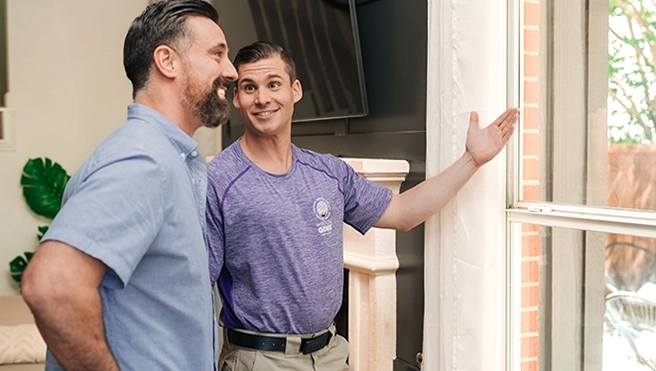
[(464, 324)]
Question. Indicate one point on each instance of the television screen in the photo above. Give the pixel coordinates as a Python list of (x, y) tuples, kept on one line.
[(321, 36)]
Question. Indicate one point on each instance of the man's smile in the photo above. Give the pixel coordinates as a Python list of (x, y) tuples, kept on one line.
[(266, 113)]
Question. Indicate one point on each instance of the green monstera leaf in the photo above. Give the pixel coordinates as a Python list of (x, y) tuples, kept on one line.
[(43, 184), (42, 230), (18, 265)]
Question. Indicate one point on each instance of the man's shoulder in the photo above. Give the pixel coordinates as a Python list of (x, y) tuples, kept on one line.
[(131, 140), (226, 165), (135, 138), (135, 134), (229, 157), (319, 161)]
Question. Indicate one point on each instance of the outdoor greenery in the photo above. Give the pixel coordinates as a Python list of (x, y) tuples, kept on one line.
[(43, 183), (632, 75)]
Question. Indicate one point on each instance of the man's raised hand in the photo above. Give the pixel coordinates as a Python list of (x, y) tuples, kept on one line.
[(483, 144)]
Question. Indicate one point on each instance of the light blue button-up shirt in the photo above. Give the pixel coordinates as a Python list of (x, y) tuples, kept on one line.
[(138, 205)]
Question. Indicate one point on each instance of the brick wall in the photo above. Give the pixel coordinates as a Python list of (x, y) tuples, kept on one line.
[(530, 325)]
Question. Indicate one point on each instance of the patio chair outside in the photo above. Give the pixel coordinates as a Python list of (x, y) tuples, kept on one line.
[(633, 316)]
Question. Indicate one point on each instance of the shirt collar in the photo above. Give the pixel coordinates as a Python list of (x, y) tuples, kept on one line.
[(183, 143)]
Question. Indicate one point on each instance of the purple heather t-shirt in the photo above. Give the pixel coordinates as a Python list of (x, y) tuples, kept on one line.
[(276, 241)]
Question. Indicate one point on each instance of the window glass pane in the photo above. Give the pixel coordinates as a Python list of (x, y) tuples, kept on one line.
[(632, 104), (632, 83), (580, 158), (586, 300)]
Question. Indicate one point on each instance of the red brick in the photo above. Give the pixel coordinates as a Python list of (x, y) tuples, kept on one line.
[(531, 365), (531, 40), (531, 91), (530, 271), (531, 246), (531, 193), (532, 144), (530, 346), (530, 117), (530, 322), (530, 298), (531, 169), (530, 228), (531, 65), (531, 14)]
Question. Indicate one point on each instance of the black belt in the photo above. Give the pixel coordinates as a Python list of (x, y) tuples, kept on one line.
[(276, 344)]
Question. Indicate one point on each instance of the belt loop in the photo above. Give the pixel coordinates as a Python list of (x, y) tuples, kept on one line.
[(225, 336), (293, 347)]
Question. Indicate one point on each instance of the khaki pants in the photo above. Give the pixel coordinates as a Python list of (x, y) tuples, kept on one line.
[(332, 357)]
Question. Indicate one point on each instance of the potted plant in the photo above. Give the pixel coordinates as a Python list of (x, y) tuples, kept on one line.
[(43, 183)]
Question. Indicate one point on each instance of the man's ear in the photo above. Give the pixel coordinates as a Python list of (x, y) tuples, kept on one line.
[(235, 98), (297, 89), (166, 61)]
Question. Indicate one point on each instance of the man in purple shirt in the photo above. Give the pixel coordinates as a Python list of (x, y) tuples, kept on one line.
[(274, 220)]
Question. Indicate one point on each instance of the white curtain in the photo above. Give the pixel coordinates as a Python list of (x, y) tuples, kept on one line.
[(464, 321)]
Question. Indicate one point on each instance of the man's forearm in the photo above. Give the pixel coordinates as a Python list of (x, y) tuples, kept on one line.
[(75, 336), (433, 194), (417, 204), (60, 285)]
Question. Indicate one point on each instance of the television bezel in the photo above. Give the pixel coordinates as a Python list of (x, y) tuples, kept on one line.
[(355, 33)]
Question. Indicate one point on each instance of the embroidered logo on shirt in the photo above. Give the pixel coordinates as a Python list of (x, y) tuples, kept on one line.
[(321, 209)]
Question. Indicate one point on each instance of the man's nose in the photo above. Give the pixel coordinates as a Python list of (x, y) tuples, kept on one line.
[(229, 72), (262, 96)]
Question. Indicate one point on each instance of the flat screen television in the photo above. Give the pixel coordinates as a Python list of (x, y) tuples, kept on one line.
[(321, 36)]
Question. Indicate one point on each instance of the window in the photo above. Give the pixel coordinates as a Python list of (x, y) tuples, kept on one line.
[(581, 199), (6, 115), (4, 86)]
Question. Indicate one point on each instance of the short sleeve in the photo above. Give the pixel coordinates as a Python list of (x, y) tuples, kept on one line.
[(364, 201), (215, 234), (114, 211)]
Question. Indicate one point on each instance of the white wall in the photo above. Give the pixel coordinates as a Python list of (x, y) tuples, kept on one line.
[(69, 90)]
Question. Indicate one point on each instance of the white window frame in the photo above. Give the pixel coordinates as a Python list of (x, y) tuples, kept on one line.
[(7, 115), (573, 61)]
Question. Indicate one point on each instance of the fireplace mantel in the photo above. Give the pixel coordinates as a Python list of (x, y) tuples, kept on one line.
[(372, 263)]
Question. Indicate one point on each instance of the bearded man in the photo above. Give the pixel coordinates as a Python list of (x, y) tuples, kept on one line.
[(120, 280)]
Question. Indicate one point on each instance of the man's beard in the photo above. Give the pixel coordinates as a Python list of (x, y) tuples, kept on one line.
[(211, 110)]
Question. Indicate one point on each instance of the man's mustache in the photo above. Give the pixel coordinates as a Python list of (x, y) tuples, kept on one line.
[(220, 82)]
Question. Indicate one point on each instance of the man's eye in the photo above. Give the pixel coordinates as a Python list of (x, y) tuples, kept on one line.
[(249, 88), (275, 85)]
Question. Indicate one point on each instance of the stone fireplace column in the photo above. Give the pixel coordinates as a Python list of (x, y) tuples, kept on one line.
[(372, 263)]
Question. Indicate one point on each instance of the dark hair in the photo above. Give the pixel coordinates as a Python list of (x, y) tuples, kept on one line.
[(161, 23), (263, 50)]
